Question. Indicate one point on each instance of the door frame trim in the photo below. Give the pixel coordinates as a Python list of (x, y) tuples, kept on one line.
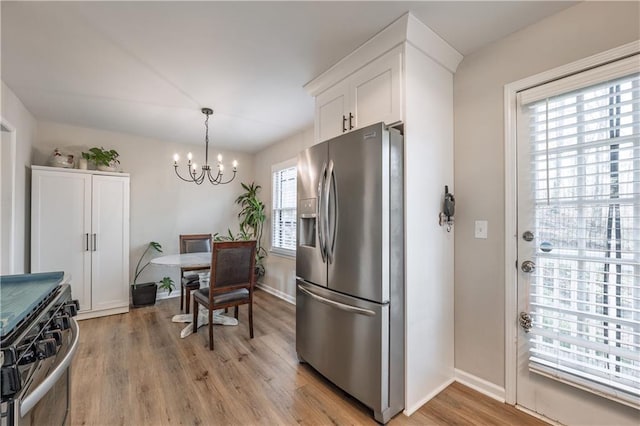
[(511, 194), (12, 131)]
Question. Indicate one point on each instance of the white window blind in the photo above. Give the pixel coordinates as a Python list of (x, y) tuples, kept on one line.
[(584, 296), (283, 218)]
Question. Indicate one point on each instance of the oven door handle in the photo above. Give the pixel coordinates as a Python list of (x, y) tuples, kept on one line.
[(34, 397)]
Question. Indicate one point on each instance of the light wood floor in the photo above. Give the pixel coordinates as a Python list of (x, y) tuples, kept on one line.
[(133, 369)]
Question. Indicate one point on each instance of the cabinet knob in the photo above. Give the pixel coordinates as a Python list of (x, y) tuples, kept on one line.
[(344, 123), (350, 121)]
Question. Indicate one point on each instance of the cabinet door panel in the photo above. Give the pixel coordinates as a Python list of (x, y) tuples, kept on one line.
[(376, 91), (60, 224), (331, 107), (110, 224)]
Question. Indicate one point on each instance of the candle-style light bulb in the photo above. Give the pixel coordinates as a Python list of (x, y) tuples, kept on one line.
[(176, 157), (194, 167), (219, 157), (221, 167), (189, 156), (235, 164)]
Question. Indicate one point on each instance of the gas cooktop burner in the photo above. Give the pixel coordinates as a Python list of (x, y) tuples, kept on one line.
[(21, 296), (39, 338)]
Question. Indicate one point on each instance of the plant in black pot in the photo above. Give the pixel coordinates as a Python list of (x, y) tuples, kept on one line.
[(144, 294)]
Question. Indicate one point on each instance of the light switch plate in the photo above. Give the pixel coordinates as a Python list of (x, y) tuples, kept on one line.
[(481, 229)]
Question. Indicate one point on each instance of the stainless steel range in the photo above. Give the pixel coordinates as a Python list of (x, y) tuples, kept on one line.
[(39, 338)]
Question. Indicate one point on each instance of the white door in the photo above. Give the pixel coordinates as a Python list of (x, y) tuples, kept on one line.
[(110, 241), (60, 228), (579, 247)]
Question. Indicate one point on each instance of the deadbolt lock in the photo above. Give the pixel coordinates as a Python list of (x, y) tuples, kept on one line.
[(527, 236)]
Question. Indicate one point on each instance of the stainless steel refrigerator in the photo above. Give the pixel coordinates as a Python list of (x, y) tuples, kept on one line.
[(350, 265)]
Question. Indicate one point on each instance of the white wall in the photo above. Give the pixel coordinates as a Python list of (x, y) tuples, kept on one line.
[(575, 33), (162, 206), (280, 270), (19, 119)]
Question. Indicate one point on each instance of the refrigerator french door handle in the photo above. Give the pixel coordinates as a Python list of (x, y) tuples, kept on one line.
[(325, 213), (320, 225), (332, 222), (341, 306)]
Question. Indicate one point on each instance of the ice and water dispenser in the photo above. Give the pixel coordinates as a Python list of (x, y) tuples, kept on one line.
[(307, 212)]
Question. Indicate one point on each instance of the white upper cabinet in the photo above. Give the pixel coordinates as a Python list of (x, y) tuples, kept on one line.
[(332, 110), (369, 95), (376, 91)]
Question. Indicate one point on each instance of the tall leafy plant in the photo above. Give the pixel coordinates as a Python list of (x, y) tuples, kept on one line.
[(252, 217), (154, 246)]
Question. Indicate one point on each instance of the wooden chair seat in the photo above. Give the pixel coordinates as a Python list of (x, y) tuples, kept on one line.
[(231, 282), (229, 298)]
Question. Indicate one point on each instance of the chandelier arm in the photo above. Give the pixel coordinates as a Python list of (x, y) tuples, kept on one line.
[(216, 179), (221, 182), (198, 179), (175, 167)]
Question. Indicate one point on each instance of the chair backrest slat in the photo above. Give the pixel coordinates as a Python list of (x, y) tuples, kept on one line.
[(232, 265), (195, 243)]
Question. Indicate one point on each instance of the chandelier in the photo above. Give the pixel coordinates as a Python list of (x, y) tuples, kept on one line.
[(205, 172)]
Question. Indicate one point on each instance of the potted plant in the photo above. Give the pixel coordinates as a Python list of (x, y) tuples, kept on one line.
[(166, 284), (105, 160), (144, 294), (252, 217)]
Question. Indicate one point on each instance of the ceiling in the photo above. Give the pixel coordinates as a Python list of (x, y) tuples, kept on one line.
[(146, 68)]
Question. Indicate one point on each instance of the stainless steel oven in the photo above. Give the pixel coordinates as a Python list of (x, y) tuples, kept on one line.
[(37, 349)]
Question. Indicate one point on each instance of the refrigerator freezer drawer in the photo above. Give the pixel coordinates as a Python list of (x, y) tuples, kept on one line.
[(346, 340)]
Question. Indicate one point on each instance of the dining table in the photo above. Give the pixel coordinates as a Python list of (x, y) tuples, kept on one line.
[(194, 260)]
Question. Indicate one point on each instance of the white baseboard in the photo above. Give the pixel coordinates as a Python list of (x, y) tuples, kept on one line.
[(164, 295), (415, 407), (102, 313), (483, 386), (277, 293)]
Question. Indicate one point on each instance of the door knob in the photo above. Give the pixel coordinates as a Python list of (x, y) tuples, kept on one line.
[(528, 266), (525, 321)]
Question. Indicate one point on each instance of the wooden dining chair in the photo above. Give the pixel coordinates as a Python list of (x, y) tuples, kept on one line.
[(231, 282), (189, 278)]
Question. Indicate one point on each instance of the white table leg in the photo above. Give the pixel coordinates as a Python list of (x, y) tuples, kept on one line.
[(203, 319)]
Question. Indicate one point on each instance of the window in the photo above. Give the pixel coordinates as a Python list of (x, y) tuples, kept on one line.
[(283, 217), (585, 293)]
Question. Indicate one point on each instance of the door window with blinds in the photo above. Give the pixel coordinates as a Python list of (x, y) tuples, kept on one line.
[(283, 215), (583, 134)]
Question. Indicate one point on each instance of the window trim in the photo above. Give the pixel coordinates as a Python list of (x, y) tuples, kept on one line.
[(279, 251)]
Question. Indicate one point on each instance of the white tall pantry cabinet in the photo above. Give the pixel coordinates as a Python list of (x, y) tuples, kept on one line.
[(80, 225), (403, 76)]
